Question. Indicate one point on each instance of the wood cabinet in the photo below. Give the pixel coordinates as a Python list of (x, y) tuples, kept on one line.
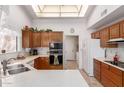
[(95, 35), (108, 75), (122, 29), (111, 76), (104, 37), (56, 36), (45, 39), (41, 63), (115, 31), (26, 39), (97, 70), (36, 39), (37, 63), (40, 39)]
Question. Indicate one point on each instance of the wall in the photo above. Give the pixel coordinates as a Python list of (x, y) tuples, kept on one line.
[(16, 19), (65, 24), (96, 15)]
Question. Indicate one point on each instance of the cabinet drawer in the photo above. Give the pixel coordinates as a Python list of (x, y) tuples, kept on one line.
[(116, 71), (105, 66), (52, 67)]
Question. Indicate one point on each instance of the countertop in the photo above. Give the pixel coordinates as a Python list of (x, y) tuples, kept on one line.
[(43, 78), (46, 78), (103, 60), (24, 62)]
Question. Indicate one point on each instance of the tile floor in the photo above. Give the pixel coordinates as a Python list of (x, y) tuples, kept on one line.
[(92, 82)]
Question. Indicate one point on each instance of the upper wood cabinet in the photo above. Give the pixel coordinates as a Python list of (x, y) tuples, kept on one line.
[(95, 35), (44, 39), (122, 29), (26, 39), (36, 39), (40, 39), (56, 36), (115, 31), (104, 37)]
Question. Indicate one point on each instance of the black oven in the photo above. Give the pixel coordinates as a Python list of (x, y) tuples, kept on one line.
[(56, 45), (56, 53)]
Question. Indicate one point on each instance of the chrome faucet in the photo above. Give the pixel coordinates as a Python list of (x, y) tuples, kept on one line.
[(4, 63)]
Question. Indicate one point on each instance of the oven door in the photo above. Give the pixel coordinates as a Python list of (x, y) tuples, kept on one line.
[(52, 58)]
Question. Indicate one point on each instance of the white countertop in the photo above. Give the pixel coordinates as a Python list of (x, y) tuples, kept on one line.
[(24, 62), (46, 78), (43, 78), (103, 60)]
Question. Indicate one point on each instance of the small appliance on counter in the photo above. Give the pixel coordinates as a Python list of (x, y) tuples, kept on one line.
[(56, 53), (33, 52)]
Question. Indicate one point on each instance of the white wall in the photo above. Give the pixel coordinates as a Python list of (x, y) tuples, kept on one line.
[(96, 14), (65, 24), (16, 19)]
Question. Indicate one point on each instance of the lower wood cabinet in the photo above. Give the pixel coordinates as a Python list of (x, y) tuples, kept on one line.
[(108, 75), (42, 63), (97, 70)]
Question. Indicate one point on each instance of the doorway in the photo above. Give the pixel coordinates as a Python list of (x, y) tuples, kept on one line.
[(71, 52)]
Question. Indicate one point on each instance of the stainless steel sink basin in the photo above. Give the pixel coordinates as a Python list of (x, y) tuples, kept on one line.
[(20, 70), (119, 64), (15, 66)]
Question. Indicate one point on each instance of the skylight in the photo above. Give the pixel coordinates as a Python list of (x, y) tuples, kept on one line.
[(59, 10)]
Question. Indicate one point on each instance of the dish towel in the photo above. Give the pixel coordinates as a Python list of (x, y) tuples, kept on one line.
[(56, 61)]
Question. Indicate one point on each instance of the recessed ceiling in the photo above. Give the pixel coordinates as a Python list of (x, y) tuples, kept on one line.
[(59, 10)]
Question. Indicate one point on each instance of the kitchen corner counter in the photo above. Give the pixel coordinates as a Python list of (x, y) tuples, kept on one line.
[(25, 62), (103, 60)]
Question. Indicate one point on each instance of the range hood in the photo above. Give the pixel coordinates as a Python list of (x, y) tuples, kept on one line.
[(116, 40)]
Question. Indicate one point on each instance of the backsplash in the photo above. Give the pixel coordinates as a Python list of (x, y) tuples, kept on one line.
[(43, 51), (120, 51)]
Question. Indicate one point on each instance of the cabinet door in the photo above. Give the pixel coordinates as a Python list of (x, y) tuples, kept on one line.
[(116, 76), (44, 63), (26, 39), (97, 70), (122, 29), (95, 35), (37, 63), (41, 63), (56, 36), (45, 39), (115, 31), (104, 37), (106, 76), (36, 39)]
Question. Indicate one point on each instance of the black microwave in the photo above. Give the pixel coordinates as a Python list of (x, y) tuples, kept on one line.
[(56, 45)]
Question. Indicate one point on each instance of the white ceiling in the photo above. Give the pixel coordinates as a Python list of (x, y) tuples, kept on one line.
[(59, 10), (30, 11)]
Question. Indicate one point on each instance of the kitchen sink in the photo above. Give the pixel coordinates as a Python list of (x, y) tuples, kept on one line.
[(119, 64), (20, 70), (15, 66)]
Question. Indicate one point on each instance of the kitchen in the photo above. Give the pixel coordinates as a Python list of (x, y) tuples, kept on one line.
[(39, 46)]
